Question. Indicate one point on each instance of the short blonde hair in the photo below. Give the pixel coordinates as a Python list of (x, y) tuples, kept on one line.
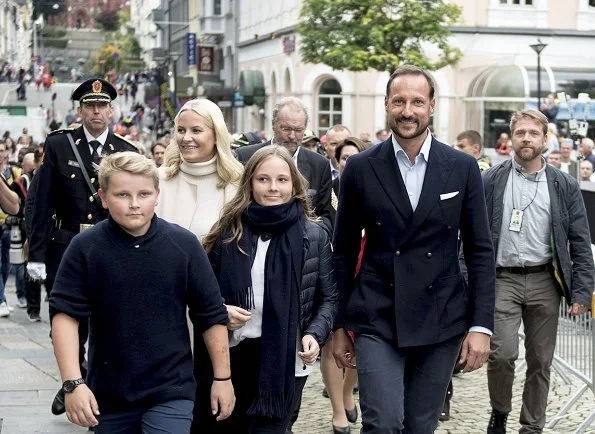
[(129, 162), (228, 168)]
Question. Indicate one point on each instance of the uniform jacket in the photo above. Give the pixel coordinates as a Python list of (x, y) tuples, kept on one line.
[(317, 171), (570, 228), (410, 290), (63, 195)]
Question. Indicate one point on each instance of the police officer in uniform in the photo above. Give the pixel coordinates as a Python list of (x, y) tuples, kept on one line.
[(66, 202)]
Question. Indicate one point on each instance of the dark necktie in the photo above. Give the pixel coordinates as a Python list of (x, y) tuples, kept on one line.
[(96, 157)]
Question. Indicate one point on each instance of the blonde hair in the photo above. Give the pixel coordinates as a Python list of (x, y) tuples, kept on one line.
[(231, 214), (533, 114), (129, 162), (228, 168)]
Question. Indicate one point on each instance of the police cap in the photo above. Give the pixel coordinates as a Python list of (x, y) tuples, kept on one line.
[(95, 90)]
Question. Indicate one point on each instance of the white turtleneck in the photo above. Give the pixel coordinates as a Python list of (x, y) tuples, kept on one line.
[(192, 199)]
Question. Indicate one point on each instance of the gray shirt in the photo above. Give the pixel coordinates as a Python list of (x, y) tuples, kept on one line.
[(532, 244)]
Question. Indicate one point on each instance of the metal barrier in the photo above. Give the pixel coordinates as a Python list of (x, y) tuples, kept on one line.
[(575, 356)]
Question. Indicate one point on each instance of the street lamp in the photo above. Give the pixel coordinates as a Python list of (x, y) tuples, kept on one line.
[(538, 48)]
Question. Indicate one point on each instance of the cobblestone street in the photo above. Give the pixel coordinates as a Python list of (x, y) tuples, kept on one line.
[(29, 379)]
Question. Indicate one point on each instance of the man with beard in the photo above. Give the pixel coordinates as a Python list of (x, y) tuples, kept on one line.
[(290, 119), (409, 306), (541, 234)]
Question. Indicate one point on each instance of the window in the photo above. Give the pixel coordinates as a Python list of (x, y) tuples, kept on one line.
[(330, 105), (216, 7), (517, 2)]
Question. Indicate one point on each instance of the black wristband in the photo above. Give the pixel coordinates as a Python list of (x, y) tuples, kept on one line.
[(222, 379)]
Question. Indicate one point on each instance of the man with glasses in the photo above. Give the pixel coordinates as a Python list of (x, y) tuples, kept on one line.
[(290, 119)]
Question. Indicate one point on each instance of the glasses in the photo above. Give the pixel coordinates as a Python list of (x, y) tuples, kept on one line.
[(288, 130)]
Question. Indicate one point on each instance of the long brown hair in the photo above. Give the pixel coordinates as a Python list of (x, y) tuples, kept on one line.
[(231, 214)]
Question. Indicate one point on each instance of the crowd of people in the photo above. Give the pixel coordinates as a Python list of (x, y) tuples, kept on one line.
[(390, 259)]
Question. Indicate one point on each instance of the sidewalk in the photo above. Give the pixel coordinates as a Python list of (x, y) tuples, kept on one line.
[(29, 379)]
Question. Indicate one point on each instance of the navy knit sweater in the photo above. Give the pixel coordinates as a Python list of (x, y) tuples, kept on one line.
[(135, 290)]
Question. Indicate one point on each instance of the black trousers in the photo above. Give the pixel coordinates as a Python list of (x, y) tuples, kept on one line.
[(32, 294), (245, 365), (83, 331)]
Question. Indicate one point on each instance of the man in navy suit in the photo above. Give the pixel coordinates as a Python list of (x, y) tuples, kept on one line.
[(409, 306)]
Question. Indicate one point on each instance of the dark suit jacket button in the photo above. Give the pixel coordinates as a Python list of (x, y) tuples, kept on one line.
[(449, 227), (428, 255), (398, 253), (378, 224), (430, 287)]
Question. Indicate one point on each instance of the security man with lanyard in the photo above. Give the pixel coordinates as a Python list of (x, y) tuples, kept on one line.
[(66, 200)]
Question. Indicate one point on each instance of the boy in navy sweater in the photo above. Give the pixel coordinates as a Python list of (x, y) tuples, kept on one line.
[(132, 276)]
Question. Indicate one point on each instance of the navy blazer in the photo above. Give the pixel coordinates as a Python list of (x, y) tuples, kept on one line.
[(410, 290)]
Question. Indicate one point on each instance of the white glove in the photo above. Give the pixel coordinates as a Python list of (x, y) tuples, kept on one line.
[(36, 270)]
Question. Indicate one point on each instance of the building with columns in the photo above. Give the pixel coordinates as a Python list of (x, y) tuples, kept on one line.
[(15, 33)]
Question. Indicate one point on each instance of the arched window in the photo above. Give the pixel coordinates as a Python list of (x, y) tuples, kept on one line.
[(330, 105)]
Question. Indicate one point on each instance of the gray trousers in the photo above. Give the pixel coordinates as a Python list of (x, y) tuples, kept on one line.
[(402, 390), (534, 299)]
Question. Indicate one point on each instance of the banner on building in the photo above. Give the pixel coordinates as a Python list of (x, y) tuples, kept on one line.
[(191, 48), (206, 58)]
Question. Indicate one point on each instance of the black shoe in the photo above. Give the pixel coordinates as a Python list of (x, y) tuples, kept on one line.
[(351, 414), (341, 429), (445, 413), (58, 404), (34, 317), (325, 393), (497, 424)]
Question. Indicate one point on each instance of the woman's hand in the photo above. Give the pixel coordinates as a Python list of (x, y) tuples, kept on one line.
[(237, 317), (311, 350)]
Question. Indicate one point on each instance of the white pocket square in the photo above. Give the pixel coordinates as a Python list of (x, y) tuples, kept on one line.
[(448, 195)]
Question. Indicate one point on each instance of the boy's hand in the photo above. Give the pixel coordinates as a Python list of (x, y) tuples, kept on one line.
[(237, 317), (311, 350), (81, 406), (223, 399)]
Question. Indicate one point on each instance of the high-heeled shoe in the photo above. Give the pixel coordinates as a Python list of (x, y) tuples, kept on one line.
[(341, 429), (351, 414)]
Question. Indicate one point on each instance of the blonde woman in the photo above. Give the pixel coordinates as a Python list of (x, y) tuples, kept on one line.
[(200, 174)]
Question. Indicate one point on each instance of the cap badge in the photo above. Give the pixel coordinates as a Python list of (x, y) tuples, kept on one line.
[(97, 86)]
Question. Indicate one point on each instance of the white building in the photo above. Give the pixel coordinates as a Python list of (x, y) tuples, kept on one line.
[(15, 33), (496, 75)]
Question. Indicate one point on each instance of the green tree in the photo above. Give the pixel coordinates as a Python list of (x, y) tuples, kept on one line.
[(109, 20), (379, 34), (47, 8)]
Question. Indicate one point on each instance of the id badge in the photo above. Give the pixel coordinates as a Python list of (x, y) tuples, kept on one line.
[(516, 220)]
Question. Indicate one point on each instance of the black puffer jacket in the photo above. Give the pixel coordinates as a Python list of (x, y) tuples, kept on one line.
[(319, 298)]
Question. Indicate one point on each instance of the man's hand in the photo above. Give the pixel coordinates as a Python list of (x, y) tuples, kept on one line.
[(36, 270), (237, 317), (343, 349), (578, 309), (474, 351), (81, 406), (311, 350), (223, 399)]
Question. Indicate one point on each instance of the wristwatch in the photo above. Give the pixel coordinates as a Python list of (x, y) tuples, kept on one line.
[(70, 385)]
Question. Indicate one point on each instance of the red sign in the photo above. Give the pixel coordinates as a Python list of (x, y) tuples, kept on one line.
[(206, 58)]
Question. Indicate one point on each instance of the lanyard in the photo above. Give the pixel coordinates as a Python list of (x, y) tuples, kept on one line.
[(537, 180)]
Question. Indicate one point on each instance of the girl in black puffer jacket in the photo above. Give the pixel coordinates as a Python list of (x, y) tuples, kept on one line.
[(274, 266)]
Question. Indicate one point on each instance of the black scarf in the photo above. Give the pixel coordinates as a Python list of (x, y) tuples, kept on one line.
[(284, 225)]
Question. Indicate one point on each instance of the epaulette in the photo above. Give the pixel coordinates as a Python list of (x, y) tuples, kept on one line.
[(125, 139), (61, 131)]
